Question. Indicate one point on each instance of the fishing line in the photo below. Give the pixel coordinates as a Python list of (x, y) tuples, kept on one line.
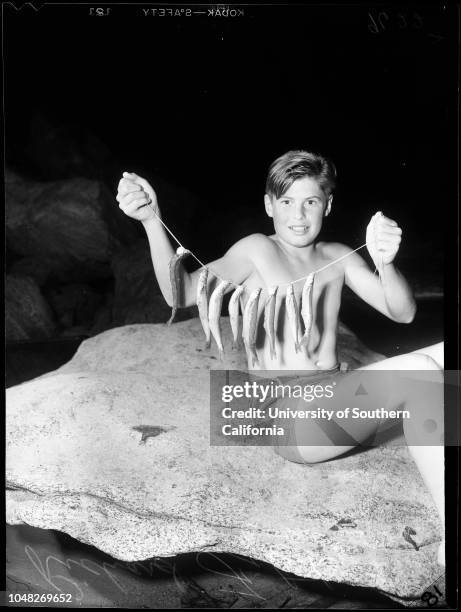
[(235, 284)]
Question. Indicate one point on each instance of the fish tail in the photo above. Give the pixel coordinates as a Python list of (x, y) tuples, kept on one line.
[(207, 337), (303, 342)]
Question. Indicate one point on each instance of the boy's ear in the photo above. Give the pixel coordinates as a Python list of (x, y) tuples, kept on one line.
[(328, 206), (268, 205)]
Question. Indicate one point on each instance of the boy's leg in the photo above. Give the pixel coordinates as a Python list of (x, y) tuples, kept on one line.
[(359, 430), (424, 431), (435, 351)]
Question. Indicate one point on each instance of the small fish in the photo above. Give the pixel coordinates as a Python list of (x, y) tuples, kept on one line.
[(202, 304), (292, 313), (250, 323), (234, 314), (175, 279), (306, 308), (269, 318), (214, 313)]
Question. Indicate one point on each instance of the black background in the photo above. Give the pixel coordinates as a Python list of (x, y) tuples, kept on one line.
[(208, 102)]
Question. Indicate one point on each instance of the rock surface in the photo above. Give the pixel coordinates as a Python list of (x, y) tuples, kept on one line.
[(27, 313), (76, 463)]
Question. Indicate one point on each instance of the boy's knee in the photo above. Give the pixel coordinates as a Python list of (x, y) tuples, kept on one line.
[(424, 362)]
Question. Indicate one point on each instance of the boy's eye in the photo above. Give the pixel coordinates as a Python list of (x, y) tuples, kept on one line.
[(311, 202), (285, 202)]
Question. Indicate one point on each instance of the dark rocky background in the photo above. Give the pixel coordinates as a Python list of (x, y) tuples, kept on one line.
[(200, 106)]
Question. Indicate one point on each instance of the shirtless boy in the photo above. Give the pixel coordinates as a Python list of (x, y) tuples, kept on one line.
[(299, 196)]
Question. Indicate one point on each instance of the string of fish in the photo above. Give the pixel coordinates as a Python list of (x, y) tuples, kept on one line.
[(210, 309)]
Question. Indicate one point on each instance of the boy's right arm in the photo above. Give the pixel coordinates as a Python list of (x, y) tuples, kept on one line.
[(136, 198)]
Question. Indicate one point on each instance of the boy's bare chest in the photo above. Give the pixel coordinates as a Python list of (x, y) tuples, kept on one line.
[(277, 271), (326, 299)]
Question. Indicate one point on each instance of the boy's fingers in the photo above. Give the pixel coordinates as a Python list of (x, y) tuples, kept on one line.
[(387, 236), (129, 198), (127, 188), (389, 243), (126, 185), (126, 198), (385, 226), (384, 245), (383, 219), (132, 207), (130, 187), (137, 179), (390, 231), (135, 204), (132, 176), (134, 196), (388, 225)]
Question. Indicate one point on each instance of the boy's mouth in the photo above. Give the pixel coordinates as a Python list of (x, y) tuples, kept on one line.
[(299, 229)]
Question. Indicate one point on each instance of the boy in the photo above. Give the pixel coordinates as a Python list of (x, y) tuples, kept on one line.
[(299, 195)]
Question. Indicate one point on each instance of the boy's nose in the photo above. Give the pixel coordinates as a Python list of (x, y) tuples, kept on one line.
[(299, 211)]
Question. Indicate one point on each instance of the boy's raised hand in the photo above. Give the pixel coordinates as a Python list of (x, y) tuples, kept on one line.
[(136, 197), (383, 239)]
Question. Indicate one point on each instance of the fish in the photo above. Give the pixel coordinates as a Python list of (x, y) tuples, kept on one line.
[(306, 308), (175, 279), (214, 313), (250, 324), (234, 314), (202, 304), (269, 319), (292, 313)]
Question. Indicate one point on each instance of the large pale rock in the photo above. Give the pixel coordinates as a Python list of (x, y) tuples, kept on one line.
[(27, 314), (71, 227), (76, 462)]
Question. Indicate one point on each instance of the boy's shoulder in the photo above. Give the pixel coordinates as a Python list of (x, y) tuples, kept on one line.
[(254, 242), (335, 250)]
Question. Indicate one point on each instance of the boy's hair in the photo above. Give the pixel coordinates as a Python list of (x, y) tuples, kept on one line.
[(285, 170)]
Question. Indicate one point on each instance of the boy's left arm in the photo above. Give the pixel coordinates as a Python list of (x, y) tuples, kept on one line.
[(389, 292)]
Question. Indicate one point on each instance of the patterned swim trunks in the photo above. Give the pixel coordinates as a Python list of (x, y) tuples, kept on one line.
[(328, 396)]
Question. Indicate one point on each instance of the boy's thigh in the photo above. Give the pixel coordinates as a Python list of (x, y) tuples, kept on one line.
[(347, 419)]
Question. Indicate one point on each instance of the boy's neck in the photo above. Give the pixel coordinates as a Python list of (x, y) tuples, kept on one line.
[(298, 254)]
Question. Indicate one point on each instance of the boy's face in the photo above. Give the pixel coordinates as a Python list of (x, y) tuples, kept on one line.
[(298, 213)]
